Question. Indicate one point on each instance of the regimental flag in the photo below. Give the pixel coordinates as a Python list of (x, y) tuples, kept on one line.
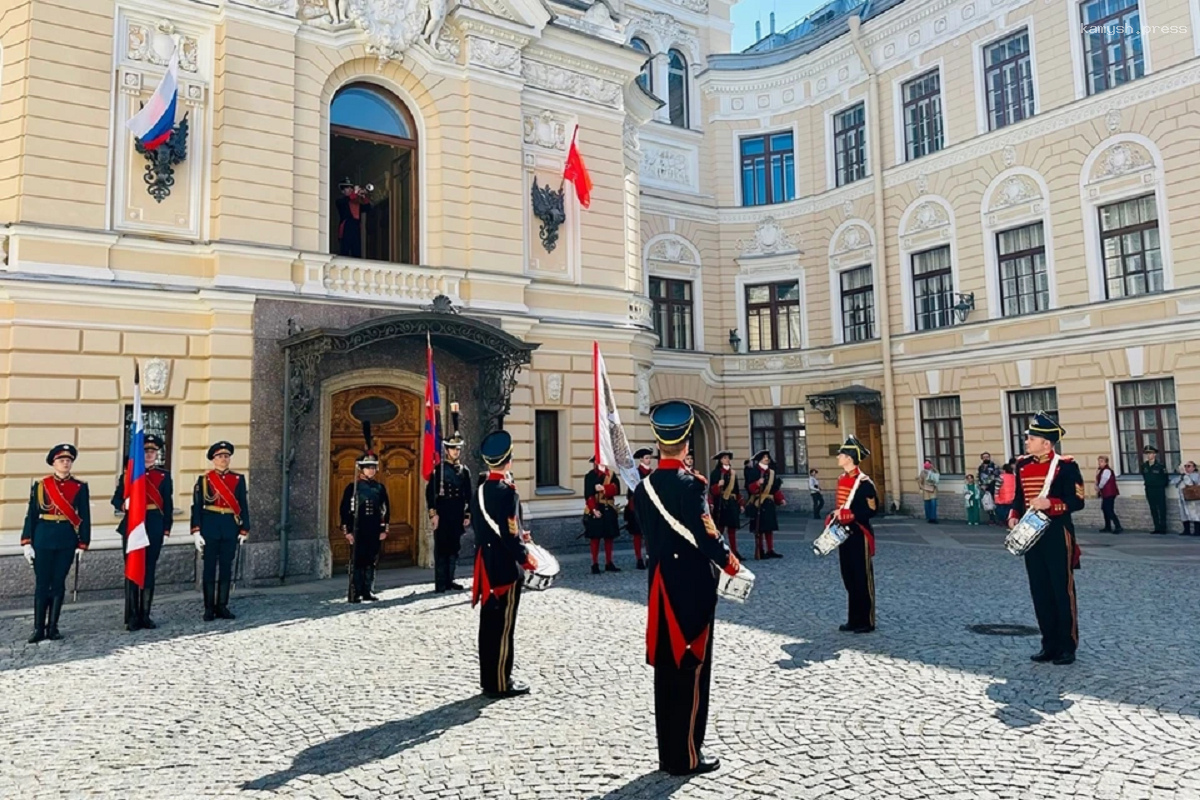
[(135, 493), (612, 448), (152, 125), (431, 444), (576, 172)]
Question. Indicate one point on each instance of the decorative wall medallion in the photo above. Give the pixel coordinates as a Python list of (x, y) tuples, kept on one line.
[(1121, 159), (939, 25), (843, 73), (968, 11), (928, 215), (847, 208), (737, 104), (554, 387), (391, 26), (764, 100), (1112, 120), (1010, 155), (666, 166), (821, 84), (769, 238), (543, 130), (154, 45), (889, 50), (674, 249), (914, 38), (789, 95), (922, 183), (157, 374)]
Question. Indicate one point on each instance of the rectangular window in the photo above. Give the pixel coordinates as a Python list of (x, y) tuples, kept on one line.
[(1146, 416), (768, 169), (1022, 406), (933, 289), (546, 433), (942, 433), (1112, 43), (1008, 80), (773, 316), (923, 115), (850, 144), (1024, 284), (1129, 244), (157, 420), (858, 304), (780, 431), (672, 313)]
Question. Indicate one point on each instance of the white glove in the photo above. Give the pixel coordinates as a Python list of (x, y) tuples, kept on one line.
[(199, 543), (242, 537), (28, 548), (78, 555)]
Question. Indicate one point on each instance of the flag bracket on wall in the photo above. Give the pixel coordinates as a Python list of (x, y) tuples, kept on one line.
[(162, 160), (549, 206)]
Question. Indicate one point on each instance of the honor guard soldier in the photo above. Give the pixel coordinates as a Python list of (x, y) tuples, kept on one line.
[(726, 498), (58, 528), (365, 513), (600, 521), (448, 496), (683, 544), (765, 491), (857, 553), (160, 508), (500, 556), (221, 524), (644, 468), (1050, 562)]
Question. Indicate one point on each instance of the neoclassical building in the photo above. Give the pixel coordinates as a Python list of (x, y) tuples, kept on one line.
[(915, 221)]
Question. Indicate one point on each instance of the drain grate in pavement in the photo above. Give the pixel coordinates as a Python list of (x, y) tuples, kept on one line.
[(1004, 630)]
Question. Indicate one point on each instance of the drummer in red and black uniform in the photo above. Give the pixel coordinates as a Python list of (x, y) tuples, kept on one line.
[(726, 498), (160, 491), (857, 553), (221, 523), (645, 466), (58, 528), (683, 544), (600, 521), (765, 492), (1051, 561), (500, 556)]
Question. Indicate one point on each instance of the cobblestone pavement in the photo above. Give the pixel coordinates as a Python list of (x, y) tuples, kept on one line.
[(304, 696)]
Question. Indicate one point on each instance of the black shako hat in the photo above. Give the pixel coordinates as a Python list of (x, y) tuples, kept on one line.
[(854, 448), (63, 449), (672, 422), (496, 448), (369, 459), (218, 448), (1046, 428)]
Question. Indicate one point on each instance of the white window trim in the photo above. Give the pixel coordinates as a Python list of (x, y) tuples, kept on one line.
[(564, 456), (689, 61), (1004, 420), (688, 272), (1075, 29), (908, 249), (835, 295), (981, 112), (839, 263), (750, 133), (991, 253), (1092, 201), (898, 104), (766, 274), (831, 143)]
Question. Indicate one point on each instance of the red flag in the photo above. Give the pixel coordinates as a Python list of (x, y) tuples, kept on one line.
[(137, 539), (576, 172), (431, 445)]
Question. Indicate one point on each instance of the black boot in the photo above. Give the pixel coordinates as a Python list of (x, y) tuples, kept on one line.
[(223, 601), (56, 604), (595, 569), (611, 567), (641, 564), (147, 599), (133, 607), (1187, 529), (210, 608), (368, 591), (356, 582), (40, 606)]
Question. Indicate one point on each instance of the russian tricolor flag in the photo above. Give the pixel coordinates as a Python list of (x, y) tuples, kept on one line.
[(152, 125), (136, 540)]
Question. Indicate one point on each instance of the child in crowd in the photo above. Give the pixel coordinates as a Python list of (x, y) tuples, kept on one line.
[(972, 498)]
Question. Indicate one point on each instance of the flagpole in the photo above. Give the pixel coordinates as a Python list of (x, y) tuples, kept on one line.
[(574, 136)]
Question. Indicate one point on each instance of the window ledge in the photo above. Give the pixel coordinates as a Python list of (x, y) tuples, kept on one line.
[(553, 491)]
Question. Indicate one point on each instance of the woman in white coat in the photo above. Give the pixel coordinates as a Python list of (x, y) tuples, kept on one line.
[(1189, 510)]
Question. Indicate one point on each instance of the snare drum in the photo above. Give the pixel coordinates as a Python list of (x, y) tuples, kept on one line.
[(736, 587), (547, 568), (833, 537), (1026, 533)]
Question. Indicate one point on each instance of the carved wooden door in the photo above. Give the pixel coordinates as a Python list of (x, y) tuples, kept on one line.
[(870, 434)]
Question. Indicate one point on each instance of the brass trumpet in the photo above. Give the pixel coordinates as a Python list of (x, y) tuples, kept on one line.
[(364, 192)]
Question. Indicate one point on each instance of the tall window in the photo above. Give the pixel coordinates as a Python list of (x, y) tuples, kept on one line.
[(1129, 240), (923, 115), (672, 313), (546, 434), (780, 432), (768, 169), (942, 433), (157, 420), (646, 78), (1024, 285), (858, 304), (773, 316), (1146, 416), (850, 144), (1112, 43), (933, 289), (677, 88), (1008, 80), (1022, 406)]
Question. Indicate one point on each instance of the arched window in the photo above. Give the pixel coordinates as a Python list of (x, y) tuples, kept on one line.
[(646, 79), (373, 176), (677, 88)]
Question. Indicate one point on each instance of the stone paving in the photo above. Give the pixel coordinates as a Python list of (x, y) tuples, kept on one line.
[(305, 696)]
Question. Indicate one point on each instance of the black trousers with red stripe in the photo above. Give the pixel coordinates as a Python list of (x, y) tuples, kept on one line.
[(497, 624), (858, 576), (680, 703), (1052, 584)]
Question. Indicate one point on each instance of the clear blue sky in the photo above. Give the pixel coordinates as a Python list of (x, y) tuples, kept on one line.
[(787, 12)]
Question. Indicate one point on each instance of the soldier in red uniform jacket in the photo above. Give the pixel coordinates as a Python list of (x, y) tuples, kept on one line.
[(160, 507), (725, 497), (600, 523), (765, 491), (221, 523), (857, 553), (645, 466)]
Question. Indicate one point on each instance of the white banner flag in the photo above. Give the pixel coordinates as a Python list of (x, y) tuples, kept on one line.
[(612, 448)]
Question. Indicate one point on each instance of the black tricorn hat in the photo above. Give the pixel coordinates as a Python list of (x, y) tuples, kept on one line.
[(218, 448), (1045, 427), (642, 452), (63, 449), (496, 448), (757, 457), (854, 448), (723, 453)]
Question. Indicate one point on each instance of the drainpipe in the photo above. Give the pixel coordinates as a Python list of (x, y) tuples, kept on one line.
[(882, 304), (285, 477)]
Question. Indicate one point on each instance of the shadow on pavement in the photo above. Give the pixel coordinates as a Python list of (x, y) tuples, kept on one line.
[(651, 785)]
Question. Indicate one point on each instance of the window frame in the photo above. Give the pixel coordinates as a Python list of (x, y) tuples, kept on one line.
[(843, 177), (903, 143), (946, 273), (1017, 420), (986, 72), (1119, 235), (955, 437), (1002, 258), (646, 76), (667, 342), (787, 169), (684, 74), (551, 454), (1171, 457), (1086, 74), (869, 292), (779, 432), (164, 456), (773, 305)]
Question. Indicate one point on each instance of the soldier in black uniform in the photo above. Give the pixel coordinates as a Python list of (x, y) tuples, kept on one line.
[(500, 556), (857, 553), (643, 458), (1156, 479), (683, 593), (600, 522), (160, 506), (58, 528), (726, 498), (221, 524), (365, 518), (448, 497)]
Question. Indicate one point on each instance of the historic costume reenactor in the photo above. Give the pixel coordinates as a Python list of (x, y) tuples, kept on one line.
[(644, 457), (448, 497), (765, 492), (221, 524), (500, 556), (160, 508), (58, 528), (683, 544), (353, 203), (600, 522), (365, 513), (1051, 561), (856, 555), (726, 498)]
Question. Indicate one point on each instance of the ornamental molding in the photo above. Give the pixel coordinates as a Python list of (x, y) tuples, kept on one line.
[(852, 236), (643, 389), (672, 248), (631, 136), (769, 239), (157, 374), (545, 129), (554, 387), (1120, 159), (668, 167), (391, 27), (154, 43), (1018, 189), (597, 21), (553, 78), (494, 55), (924, 216), (666, 33)]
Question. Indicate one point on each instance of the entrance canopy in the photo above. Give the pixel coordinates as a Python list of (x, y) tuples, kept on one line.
[(827, 402)]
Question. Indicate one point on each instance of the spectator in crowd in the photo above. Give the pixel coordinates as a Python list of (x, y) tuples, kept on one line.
[(1156, 479), (989, 479), (1006, 492), (1189, 499), (1106, 490), (972, 495), (814, 488), (928, 480)]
